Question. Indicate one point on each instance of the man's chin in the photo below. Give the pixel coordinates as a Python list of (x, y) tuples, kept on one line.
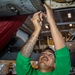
[(42, 64)]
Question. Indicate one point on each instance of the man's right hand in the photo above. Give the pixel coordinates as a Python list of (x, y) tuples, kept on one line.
[(27, 49), (37, 20)]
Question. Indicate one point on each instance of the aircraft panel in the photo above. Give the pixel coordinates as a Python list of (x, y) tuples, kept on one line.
[(19, 7)]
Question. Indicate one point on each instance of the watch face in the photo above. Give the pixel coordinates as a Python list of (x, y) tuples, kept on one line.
[(20, 7)]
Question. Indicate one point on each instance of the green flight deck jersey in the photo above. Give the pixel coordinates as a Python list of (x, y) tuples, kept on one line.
[(63, 64)]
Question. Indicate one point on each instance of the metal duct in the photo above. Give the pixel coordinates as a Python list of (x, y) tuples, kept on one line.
[(63, 1), (20, 7)]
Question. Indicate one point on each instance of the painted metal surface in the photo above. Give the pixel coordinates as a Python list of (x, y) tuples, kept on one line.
[(20, 7)]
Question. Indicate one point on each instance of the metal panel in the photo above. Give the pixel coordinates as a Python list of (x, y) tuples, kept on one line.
[(19, 7)]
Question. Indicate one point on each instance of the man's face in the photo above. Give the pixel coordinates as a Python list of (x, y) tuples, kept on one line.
[(46, 60)]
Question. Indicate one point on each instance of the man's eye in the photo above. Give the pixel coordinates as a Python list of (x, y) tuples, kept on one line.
[(42, 53), (49, 54)]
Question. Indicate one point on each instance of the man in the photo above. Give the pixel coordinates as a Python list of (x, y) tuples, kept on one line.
[(49, 63)]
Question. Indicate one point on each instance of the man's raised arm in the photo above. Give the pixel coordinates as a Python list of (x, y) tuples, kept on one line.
[(37, 23), (56, 35)]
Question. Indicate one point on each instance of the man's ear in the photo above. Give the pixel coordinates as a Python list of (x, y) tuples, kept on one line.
[(54, 65)]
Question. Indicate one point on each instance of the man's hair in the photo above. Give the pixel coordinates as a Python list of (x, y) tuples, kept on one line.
[(48, 48)]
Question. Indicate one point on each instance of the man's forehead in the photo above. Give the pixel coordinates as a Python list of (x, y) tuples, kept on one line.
[(48, 51)]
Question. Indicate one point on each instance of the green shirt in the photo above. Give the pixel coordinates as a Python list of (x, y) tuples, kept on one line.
[(23, 65)]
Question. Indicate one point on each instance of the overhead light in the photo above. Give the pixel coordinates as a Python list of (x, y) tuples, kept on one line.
[(46, 26), (69, 34), (53, 46), (69, 15), (50, 38), (70, 25), (70, 44)]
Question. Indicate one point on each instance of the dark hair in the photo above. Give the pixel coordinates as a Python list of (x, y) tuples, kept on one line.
[(48, 48)]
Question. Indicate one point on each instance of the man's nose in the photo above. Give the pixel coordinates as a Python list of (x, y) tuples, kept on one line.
[(45, 54)]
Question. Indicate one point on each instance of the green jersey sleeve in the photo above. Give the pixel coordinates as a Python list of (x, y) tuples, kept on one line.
[(23, 65), (63, 63)]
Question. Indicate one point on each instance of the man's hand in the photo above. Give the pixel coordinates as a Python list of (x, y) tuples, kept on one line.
[(56, 35), (49, 14), (27, 49), (37, 20)]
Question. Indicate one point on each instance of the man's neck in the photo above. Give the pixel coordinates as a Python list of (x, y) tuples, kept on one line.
[(45, 70)]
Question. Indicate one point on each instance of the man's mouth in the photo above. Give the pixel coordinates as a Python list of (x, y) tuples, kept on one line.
[(44, 58)]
